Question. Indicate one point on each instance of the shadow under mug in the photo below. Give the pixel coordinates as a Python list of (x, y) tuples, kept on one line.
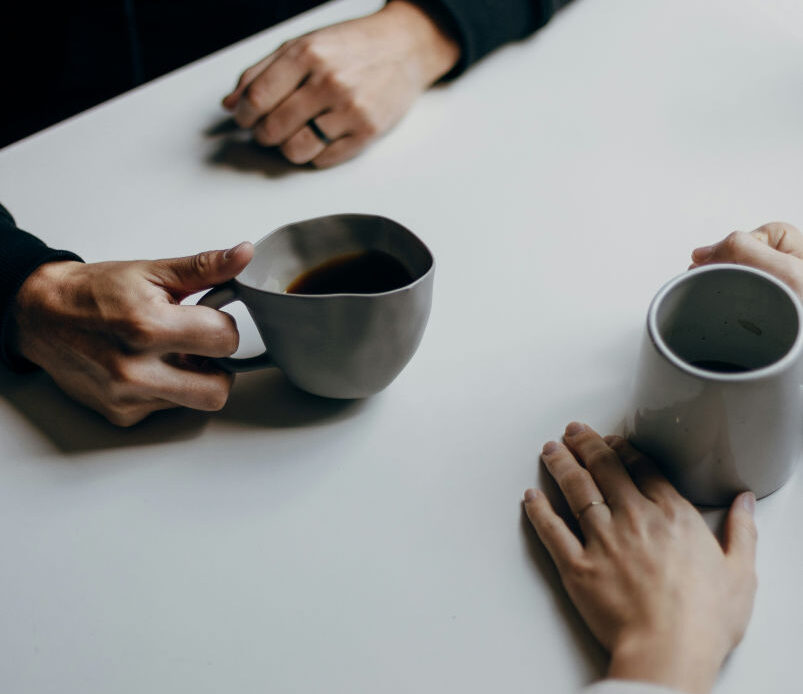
[(717, 399), (333, 345)]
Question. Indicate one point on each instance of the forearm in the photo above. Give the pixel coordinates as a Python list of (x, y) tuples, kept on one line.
[(20, 254)]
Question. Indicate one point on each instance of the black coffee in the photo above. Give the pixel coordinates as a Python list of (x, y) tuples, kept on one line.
[(363, 272), (720, 366)]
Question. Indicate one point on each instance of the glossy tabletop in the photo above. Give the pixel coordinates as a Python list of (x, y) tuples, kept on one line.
[(294, 544)]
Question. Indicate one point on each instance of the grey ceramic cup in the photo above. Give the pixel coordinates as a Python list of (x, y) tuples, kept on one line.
[(333, 345), (715, 433)]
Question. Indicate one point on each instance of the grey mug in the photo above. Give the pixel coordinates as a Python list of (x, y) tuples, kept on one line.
[(333, 345), (717, 398)]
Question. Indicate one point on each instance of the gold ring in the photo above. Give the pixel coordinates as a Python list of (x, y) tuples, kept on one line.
[(588, 506)]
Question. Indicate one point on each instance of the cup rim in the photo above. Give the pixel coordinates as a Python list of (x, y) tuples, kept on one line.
[(775, 368), (423, 277)]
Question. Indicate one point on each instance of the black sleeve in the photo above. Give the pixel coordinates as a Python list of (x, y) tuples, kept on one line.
[(20, 254), (482, 25)]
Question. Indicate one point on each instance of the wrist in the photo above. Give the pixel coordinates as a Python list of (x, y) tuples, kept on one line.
[(436, 50), (35, 298), (686, 663)]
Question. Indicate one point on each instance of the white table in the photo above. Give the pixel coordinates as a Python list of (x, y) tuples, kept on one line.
[(289, 544)]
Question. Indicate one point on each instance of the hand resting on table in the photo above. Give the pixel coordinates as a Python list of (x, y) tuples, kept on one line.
[(655, 587), (355, 79)]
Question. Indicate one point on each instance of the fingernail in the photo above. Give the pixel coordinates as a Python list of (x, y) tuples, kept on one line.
[(530, 495), (702, 253), (229, 253), (749, 502), (575, 428), (549, 447)]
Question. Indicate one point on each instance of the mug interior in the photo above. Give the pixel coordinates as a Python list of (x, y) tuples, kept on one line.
[(283, 255), (727, 316)]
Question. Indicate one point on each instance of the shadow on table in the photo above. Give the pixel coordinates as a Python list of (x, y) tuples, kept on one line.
[(262, 399), (73, 428), (586, 644), (266, 399), (236, 149)]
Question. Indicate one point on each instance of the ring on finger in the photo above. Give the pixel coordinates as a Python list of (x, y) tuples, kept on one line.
[(320, 134), (589, 505)]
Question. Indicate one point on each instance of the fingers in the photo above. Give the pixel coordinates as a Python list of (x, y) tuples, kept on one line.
[(277, 81), (305, 145), (339, 151), (231, 99), (561, 543), (197, 389), (782, 237), (603, 464), (199, 330), (740, 530), (644, 473), (289, 117), (575, 482), (750, 249), (183, 276)]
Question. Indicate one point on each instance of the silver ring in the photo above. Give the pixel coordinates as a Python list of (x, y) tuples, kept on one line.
[(320, 134), (589, 505)]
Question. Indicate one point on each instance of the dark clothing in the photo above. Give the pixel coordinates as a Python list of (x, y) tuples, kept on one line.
[(60, 58), (20, 254)]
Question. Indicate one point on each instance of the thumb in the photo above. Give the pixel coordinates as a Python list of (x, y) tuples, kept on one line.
[(193, 273), (740, 530)]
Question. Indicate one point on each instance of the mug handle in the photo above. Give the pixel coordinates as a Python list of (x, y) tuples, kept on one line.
[(218, 297)]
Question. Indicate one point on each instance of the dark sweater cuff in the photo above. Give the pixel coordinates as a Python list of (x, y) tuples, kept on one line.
[(20, 254), (480, 26)]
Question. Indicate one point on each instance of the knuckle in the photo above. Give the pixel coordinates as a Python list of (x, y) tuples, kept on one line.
[(308, 50), (253, 96), (579, 570), (215, 399), (735, 242), (334, 83), (267, 131), (139, 332), (202, 264), (122, 416), (600, 457), (366, 121), (120, 373), (295, 152), (226, 336)]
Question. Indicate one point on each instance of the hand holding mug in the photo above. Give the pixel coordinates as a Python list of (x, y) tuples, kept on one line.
[(776, 248), (114, 337)]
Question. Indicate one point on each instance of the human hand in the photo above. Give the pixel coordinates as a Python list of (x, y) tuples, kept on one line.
[(648, 577), (355, 79), (114, 337), (776, 248)]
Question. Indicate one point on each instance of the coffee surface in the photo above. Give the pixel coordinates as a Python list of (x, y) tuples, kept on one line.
[(719, 366), (363, 272)]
